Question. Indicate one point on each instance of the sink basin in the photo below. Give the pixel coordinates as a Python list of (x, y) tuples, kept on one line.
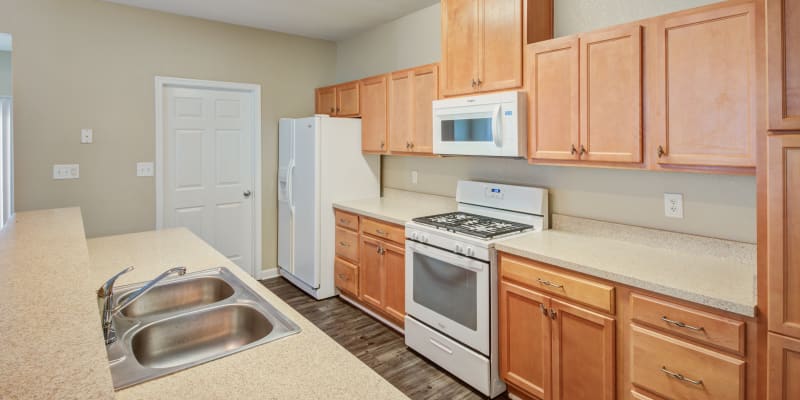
[(198, 335), (189, 320), (177, 295)]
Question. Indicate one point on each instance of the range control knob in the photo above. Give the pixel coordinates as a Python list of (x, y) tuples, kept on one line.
[(470, 252), (425, 238), (414, 235), (459, 249)]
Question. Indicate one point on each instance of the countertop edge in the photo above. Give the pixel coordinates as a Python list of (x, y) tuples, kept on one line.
[(369, 214)]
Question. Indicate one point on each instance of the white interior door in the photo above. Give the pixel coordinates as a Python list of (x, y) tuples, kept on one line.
[(209, 168)]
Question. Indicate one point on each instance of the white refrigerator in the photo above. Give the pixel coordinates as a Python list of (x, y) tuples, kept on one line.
[(319, 162)]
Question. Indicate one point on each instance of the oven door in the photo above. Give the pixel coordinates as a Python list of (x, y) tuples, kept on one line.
[(471, 130), (450, 293)]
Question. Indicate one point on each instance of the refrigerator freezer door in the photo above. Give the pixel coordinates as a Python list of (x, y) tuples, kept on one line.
[(285, 215), (304, 183)]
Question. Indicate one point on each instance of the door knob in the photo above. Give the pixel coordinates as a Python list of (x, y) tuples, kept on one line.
[(247, 193)]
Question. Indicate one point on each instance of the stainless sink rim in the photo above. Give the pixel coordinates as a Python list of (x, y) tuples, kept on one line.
[(126, 370)]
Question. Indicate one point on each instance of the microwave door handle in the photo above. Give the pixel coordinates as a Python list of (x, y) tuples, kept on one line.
[(498, 127)]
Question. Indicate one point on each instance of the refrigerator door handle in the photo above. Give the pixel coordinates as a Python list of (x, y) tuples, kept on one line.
[(290, 187)]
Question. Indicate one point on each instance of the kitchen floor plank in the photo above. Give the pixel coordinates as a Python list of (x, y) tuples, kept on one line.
[(378, 346)]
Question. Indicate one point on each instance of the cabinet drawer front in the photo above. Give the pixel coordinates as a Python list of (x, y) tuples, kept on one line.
[(346, 220), (383, 230), (727, 334), (347, 244), (675, 369), (544, 278), (345, 276)]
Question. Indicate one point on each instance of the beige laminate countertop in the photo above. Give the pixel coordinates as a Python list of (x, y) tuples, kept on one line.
[(308, 365), (725, 283), (399, 206)]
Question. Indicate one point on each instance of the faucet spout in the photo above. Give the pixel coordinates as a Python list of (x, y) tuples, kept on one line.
[(146, 288)]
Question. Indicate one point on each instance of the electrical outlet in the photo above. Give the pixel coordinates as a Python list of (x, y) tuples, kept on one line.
[(673, 205), (66, 171), (86, 136), (414, 177), (144, 169)]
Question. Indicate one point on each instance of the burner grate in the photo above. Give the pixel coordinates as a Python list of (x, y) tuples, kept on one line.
[(473, 224)]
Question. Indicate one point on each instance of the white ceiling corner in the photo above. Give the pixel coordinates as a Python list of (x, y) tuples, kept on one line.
[(320, 19)]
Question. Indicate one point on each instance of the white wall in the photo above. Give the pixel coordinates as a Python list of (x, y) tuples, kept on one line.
[(5, 73), (717, 206)]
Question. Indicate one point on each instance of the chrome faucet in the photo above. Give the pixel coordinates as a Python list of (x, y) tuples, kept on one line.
[(106, 293)]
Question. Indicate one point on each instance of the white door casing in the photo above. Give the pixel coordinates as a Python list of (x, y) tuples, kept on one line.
[(208, 165)]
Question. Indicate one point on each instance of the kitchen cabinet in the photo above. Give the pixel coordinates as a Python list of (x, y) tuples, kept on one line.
[(371, 272), (706, 85), (482, 42), (783, 227), (411, 94), (551, 348), (338, 100), (586, 97), (783, 359), (394, 267), (382, 279), (374, 114), (783, 64)]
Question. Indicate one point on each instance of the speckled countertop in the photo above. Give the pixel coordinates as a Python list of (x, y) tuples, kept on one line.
[(399, 206), (716, 273)]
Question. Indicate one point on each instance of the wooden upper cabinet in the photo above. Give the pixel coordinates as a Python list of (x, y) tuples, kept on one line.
[(347, 100), (611, 95), (583, 353), (783, 225), (401, 112), (374, 96), (500, 48), (326, 100), (460, 38), (783, 361), (553, 99), (426, 90), (394, 267), (706, 79), (783, 63)]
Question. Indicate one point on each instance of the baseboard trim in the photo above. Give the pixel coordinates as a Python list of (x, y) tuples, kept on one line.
[(371, 313), (267, 274)]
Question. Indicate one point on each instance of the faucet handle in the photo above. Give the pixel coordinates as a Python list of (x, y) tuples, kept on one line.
[(105, 290)]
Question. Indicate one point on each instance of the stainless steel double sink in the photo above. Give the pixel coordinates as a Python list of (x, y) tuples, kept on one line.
[(189, 320)]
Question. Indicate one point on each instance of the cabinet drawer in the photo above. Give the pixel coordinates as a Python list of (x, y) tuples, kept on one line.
[(345, 276), (347, 244), (346, 220), (676, 369), (383, 230), (716, 331), (544, 278)]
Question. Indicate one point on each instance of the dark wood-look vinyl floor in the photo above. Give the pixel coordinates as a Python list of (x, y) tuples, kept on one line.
[(380, 347)]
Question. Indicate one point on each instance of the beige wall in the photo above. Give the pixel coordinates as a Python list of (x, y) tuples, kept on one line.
[(718, 206), (91, 64), (5, 73)]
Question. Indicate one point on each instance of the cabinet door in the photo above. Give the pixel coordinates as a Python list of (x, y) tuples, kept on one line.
[(426, 90), (500, 46), (460, 33), (347, 100), (401, 117), (373, 114), (783, 225), (611, 95), (370, 271), (553, 99), (326, 100), (783, 361), (583, 353), (524, 339), (394, 266), (707, 87), (783, 63)]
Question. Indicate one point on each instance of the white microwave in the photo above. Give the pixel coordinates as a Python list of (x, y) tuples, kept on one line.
[(487, 125)]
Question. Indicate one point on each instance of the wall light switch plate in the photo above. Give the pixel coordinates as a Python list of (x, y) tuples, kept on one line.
[(66, 171), (145, 169), (86, 136), (673, 205)]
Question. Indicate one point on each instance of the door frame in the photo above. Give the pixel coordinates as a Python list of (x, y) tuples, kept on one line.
[(161, 83)]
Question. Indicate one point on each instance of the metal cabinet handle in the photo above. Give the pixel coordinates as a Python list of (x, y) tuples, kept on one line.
[(344, 244), (338, 109), (342, 277), (573, 150), (381, 232), (344, 221), (478, 82), (680, 324), (383, 144), (680, 377), (474, 83), (408, 145), (661, 151), (544, 309), (332, 110), (548, 283), (380, 250), (583, 149), (411, 145)]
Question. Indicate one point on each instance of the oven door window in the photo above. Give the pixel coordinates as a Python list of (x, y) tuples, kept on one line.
[(448, 290), (467, 130)]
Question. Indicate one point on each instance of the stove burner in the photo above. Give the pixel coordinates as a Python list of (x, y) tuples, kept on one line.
[(472, 224)]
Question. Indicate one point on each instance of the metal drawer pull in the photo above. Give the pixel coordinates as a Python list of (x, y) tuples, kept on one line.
[(680, 377), (343, 277), (344, 221), (680, 324), (548, 283), (544, 309), (344, 244), (381, 232)]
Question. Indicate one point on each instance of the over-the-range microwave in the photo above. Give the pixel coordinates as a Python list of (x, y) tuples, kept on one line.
[(486, 125)]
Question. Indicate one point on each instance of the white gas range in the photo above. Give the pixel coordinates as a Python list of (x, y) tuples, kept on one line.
[(451, 277)]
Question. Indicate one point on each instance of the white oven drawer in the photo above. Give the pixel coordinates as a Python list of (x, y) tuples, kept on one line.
[(469, 366)]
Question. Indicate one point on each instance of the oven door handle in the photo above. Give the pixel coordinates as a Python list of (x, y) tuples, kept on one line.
[(451, 258)]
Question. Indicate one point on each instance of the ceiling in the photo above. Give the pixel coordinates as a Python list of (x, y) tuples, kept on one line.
[(321, 19), (5, 42)]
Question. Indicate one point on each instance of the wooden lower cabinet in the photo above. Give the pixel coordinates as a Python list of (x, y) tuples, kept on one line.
[(371, 273), (783, 359), (551, 349)]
